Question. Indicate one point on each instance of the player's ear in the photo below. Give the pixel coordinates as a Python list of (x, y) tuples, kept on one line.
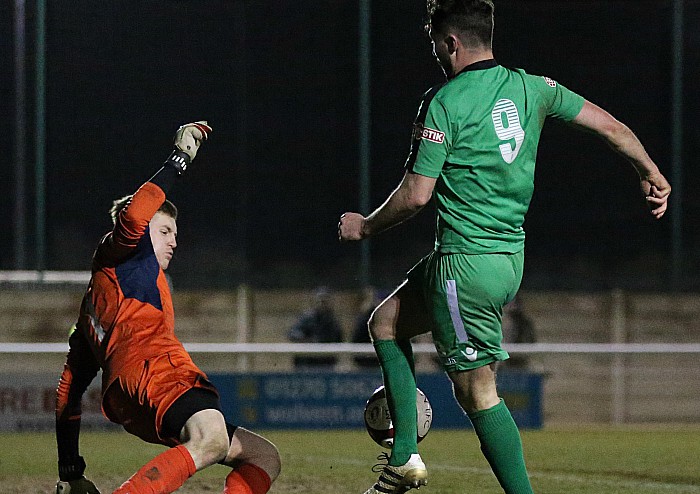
[(452, 41)]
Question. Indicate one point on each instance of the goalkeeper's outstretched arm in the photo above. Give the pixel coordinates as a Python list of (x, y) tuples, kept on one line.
[(80, 369)]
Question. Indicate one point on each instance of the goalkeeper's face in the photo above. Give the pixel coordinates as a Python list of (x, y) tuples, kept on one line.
[(163, 230)]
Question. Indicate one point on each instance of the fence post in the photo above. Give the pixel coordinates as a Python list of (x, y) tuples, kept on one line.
[(244, 311), (617, 371)]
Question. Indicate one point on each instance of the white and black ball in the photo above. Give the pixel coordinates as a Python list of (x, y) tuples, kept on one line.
[(378, 419)]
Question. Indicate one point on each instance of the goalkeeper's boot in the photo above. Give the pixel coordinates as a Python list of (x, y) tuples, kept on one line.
[(397, 480), (78, 486)]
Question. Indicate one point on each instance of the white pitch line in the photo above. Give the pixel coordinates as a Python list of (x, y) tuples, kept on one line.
[(603, 481)]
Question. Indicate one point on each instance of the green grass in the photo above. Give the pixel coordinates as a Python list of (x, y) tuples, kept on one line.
[(572, 461)]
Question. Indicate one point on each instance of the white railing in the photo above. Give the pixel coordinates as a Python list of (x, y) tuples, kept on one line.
[(48, 277), (367, 349), (617, 352)]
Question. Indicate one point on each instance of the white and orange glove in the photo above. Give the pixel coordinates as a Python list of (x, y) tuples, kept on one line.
[(188, 138)]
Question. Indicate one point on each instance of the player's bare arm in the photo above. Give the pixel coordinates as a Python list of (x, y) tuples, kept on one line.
[(654, 185), (412, 194)]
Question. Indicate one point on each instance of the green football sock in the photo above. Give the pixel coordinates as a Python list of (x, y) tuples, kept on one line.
[(407, 350), (400, 384), (502, 447)]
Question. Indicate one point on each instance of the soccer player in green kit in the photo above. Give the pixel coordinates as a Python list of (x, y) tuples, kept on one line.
[(474, 147)]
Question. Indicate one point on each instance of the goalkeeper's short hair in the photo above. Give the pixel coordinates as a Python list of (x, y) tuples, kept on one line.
[(168, 208)]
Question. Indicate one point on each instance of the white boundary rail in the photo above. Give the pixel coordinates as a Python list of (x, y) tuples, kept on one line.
[(49, 277), (616, 350), (366, 348)]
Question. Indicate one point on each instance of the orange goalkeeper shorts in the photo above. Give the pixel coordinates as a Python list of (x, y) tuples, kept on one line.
[(138, 399)]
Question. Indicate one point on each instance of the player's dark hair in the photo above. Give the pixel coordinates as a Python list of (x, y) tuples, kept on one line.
[(167, 208), (471, 19)]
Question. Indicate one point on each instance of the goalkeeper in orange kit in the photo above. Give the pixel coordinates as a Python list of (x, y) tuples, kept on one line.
[(150, 385)]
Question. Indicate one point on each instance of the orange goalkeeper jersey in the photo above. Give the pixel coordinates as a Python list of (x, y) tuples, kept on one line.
[(127, 312)]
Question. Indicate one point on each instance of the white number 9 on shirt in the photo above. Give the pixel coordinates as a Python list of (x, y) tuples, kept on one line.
[(505, 107)]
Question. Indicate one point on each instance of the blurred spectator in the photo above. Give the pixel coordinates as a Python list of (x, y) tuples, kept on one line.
[(317, 325), (517, 328), (371, 298)]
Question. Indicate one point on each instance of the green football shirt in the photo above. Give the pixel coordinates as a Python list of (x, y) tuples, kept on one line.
[(478, 135)]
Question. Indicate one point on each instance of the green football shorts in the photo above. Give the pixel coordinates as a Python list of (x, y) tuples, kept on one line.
[(465, 295)]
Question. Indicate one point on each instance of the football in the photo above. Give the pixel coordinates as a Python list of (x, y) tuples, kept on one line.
[(378, 419)]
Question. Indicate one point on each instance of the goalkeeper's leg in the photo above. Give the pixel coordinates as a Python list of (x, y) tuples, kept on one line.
[(255, 462), (164, 474), (204, 442)]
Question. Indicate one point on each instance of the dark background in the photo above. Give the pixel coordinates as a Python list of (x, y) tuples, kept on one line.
[(278, 81)]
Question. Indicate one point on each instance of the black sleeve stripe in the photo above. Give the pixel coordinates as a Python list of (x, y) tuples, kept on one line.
[(418, 124)]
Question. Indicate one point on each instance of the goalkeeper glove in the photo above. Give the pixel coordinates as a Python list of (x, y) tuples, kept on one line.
[(78, 486), (189, 137)]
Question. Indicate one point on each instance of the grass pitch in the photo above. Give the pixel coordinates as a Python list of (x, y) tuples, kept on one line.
[(572, 461)]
